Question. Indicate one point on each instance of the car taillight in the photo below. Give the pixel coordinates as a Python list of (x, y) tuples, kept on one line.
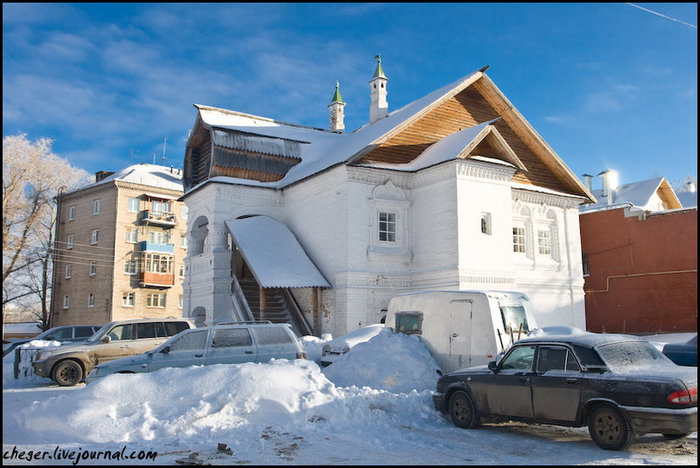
[(683, 397)]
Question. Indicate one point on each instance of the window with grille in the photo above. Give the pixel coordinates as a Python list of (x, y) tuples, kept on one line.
[(518, 239), (387, 226), (544, 242)]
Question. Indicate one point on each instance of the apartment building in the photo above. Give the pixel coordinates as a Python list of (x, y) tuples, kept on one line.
[(120, 247)]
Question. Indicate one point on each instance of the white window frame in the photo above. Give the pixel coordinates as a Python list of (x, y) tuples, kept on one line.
[(69, 241), (128, 299), (93, 268), (181, 271), (183, 242), (91, 300), (66, 301), (71, 212), (133, 201), (159, 298), (69, 271), (180, 301), (95, 236), (132, 236), (519, 236), (544, 242), (388, 198), (386, 227), (130, 267), (184, 212), (96, 205)]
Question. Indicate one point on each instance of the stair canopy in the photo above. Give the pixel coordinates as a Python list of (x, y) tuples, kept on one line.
[(274, 255)]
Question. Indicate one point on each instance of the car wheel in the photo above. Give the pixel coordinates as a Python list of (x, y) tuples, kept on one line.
[(463, 411), (676, 436), (609, 428), (67, 373)]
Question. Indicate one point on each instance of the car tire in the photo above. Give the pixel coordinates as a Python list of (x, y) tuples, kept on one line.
[(67, 373), (609, 428), (463, 410)]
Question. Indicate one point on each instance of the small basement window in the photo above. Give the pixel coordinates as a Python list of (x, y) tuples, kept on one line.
[(410, 323)]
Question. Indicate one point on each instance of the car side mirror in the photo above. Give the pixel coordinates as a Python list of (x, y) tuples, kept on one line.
[(106, 339), (493, 366), (165, 350)]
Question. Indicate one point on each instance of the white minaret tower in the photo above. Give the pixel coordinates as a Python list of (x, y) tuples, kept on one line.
[(378, 107), (337, 113)]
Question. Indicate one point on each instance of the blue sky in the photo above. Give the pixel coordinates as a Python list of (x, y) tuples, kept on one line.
[(607, 85)]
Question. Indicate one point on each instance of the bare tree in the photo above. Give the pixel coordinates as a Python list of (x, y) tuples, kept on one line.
[(32, 176)]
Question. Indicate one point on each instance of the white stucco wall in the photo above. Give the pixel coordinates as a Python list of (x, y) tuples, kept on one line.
[(439, 242)]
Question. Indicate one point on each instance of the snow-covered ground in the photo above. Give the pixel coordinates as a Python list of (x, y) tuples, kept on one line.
[(372, 406)]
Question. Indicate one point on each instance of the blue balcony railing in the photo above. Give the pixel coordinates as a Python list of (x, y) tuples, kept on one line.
[(147, 246)]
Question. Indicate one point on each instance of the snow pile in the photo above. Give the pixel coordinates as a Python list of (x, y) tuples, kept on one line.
[(389, 361), (314, 345)]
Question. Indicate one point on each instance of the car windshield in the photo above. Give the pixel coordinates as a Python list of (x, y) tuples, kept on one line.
[(513, 317), (631, 355)]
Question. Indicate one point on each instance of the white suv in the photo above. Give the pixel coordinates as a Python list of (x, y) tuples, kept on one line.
[(220, 344)]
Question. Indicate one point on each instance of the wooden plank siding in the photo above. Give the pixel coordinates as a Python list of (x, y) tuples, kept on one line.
[(465, 109)]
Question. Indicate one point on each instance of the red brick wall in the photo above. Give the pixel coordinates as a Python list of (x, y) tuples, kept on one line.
[(639, 278)]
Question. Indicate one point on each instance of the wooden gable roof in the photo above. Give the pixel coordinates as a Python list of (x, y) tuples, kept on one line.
[(474, 101)]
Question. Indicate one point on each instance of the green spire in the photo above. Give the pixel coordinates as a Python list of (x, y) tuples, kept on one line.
[(336, 96), (379, 73)]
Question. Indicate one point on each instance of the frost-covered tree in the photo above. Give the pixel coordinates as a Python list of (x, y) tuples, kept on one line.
[(31, 176)]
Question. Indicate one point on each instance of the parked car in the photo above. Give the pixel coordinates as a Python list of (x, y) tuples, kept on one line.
[(683, 354), (220, 344), (619, 386), (68, 365), (69, 333), (333, 349)]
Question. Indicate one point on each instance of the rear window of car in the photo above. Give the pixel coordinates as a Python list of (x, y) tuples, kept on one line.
[(146, 330), (84, 332), (229, 337), (630, 355), (271, 335), (173, 328)]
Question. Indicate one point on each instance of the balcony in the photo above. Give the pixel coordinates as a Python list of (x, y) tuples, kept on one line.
[(158, 218), (147, 246), (157, 280)]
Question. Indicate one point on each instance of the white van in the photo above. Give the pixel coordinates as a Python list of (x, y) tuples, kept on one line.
[(462, 328)]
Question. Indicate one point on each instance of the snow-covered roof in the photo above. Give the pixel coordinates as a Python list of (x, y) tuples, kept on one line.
[(274, 255), (636, 193), (150, 175), (321, 149)]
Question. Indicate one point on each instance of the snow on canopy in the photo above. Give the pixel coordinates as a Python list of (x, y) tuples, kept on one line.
[(274, 254)]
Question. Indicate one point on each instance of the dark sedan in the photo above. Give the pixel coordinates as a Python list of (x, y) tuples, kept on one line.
[(619, 386), (683, 354)]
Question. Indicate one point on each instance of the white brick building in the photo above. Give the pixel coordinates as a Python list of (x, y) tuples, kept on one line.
[(453, 191)]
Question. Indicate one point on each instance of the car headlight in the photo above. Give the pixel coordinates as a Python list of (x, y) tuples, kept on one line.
[(43, 354)]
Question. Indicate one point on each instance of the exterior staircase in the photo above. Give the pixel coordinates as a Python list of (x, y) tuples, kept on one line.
[(277, 310)]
